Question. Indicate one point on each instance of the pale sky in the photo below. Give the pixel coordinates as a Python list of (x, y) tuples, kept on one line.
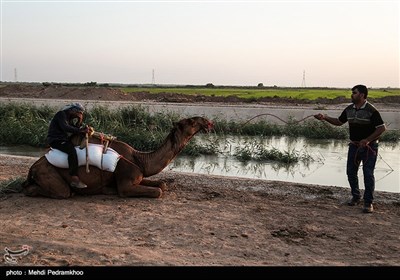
[(337, 43)]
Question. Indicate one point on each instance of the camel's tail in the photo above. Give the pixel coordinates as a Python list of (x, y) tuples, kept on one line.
[(29, 179), (29, 185)]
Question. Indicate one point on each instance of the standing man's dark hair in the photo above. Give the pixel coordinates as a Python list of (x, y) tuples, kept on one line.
[(361, 89), (365, 127)]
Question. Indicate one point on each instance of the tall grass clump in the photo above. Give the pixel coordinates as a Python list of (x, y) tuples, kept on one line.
[(24, 124), (256, 151), (13, 185), (390, 136), (133, 117)]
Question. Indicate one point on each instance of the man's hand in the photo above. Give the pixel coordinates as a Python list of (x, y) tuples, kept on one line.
[(319, 117), (363, 143), (90, 130), (87, 129)]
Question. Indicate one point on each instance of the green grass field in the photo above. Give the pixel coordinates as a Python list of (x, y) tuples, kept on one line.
[(295, 93), (248, 92)]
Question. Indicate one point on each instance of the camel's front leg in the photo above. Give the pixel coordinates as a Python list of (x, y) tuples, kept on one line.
[(128, 188), (155, 184), (129, 178)]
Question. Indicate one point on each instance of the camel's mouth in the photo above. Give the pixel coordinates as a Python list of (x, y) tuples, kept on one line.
[(208, 126)]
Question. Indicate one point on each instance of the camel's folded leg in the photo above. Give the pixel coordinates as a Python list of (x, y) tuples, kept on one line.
[(128, 178), (127, 189), (44, 180), (154, 183)]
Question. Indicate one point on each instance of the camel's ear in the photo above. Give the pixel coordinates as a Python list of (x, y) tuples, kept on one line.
[(191, 122), (176, 124)]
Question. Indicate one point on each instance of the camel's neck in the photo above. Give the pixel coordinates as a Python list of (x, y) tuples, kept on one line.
[(154, 162)]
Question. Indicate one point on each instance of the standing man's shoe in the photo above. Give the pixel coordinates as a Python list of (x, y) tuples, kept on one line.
[(354, 202), (368, 208)]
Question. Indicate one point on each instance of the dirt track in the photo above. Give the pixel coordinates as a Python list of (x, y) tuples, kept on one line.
[(201, 221)]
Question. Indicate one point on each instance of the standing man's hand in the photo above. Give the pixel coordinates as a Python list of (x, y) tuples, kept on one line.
[(363, 143), (319, 116)]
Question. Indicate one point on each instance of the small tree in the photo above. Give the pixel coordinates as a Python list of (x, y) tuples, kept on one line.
[(90, 84), (260, 85), (209, 85)]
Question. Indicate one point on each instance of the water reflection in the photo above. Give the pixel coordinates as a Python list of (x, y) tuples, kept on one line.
[(328, 166)]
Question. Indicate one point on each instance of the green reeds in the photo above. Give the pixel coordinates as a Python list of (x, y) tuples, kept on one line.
[(24, 124), (254, 150), (27, 124), (13, 185)]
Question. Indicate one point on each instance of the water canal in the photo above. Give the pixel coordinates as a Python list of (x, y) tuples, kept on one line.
[(326, 167)]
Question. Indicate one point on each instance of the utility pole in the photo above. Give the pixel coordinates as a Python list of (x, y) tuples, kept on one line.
[(153, 79), (303, 83), (15, 75)]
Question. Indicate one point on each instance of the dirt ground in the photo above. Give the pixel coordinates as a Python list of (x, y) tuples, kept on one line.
[(200, 221)]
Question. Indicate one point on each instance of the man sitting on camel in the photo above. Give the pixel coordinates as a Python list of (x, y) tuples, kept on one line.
[(63, 126)]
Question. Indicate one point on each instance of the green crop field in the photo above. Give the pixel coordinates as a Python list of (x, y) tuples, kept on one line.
[(253, 93), (296, 93)]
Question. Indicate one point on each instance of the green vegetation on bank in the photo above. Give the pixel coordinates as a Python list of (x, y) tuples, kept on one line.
[(256, 93), (26, 124), (248, 93), (245, 92)]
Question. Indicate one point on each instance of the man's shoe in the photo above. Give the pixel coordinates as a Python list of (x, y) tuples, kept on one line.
[(78, 185), (353, 202), (368, 208)]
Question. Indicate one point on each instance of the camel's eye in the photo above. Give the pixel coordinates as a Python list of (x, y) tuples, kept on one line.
[(191, 122)]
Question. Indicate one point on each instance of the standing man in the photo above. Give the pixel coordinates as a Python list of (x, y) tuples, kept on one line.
[(64, 124), (365, 126)]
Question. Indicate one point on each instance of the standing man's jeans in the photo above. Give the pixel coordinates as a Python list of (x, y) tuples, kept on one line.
[(367, 156)]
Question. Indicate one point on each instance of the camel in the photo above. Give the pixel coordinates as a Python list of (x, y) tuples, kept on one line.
[(128, 179)]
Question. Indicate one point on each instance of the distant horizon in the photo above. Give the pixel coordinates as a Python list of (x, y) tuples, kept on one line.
[(324, 43), (184, 85)]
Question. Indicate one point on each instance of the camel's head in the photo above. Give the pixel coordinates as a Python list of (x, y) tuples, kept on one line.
[(193, 125)]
